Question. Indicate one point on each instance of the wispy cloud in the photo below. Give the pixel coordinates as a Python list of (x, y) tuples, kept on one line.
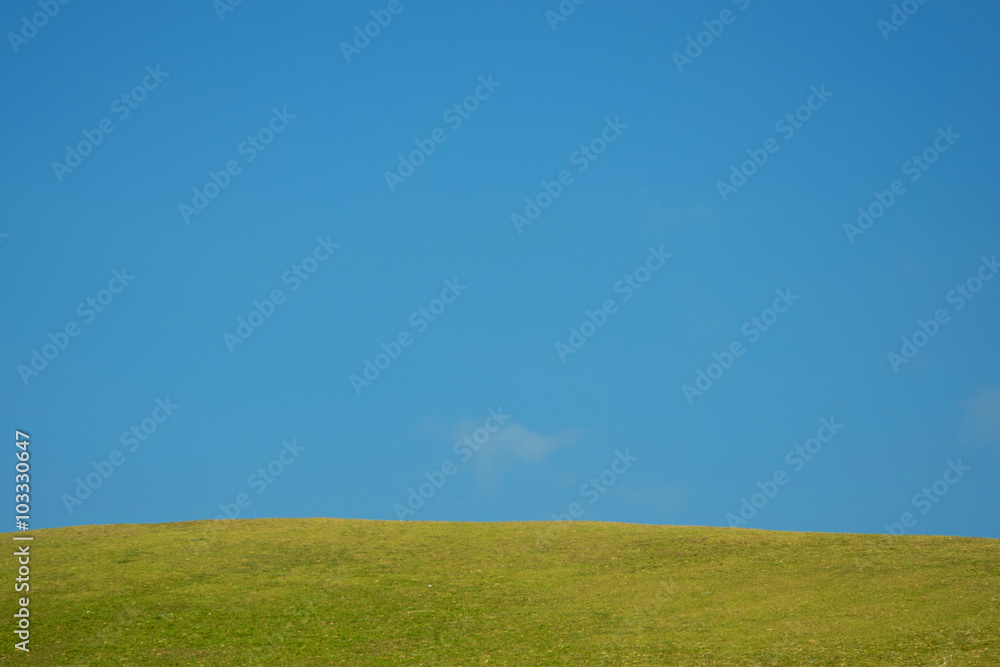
[(981, 417), (513, 446)]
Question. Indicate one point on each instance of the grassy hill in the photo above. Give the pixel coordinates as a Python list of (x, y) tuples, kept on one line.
[(337, 592)]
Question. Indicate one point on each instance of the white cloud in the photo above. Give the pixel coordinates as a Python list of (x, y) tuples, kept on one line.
[(513, 445), (529, 446), (982, 417)]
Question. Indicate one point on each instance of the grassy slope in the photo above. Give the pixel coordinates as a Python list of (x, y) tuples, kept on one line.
[(331, 592)]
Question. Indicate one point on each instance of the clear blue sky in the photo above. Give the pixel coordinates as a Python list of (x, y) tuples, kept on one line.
[(632, 142)]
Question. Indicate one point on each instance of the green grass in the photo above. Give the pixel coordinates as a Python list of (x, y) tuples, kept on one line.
[(336, 592)]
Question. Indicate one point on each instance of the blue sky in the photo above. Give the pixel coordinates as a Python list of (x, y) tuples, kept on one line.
[(248, 163)]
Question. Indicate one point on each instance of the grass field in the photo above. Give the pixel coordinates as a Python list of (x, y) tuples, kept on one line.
[(338, 592)]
